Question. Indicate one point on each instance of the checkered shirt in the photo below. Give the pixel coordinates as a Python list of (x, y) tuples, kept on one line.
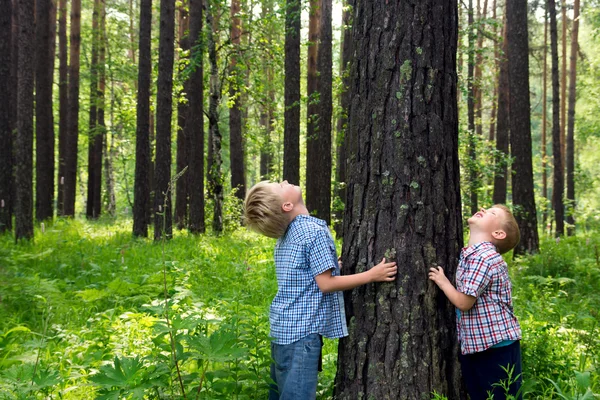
[(299, 307), (482, 273)]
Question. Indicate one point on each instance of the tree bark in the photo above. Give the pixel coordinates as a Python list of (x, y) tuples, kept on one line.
[(63, 102), (545, 118), (492, 135), (236, 140), (44, 70), (291, 130), (100, 136), (24, 140), (163, 219), (520, 127), (266, 112), (563, 84), (502, 127), (183, 142), (93, 124), (72, 138), (6, 134), (472, 150), (195, 122), (571, 123), (403, 201)]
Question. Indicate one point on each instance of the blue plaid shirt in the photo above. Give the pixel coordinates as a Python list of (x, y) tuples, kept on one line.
[(300, 308)]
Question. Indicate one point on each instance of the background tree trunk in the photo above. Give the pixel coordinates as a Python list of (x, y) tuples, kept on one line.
[(236, 81), (571, 123), (472, 150), (312, 192), (24, 140), (291, 135), (502, 127), (492, 135), (6, 134), (183, 142), (195, 122), (93, 124), (520, 127), (403, 201), (44, 70), (558, 180), (100, 137), (266, 110), (545, 118), (163, 220), (563, 85), (72, 138), (63, 102)]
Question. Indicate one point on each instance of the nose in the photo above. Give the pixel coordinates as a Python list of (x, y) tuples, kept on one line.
[(286, 182), (482, 210)]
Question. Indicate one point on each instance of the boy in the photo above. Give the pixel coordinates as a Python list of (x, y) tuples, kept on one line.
[(309, 303), (488, 330)]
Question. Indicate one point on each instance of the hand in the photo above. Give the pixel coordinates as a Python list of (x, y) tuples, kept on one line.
[(384, 272), (340, 262), (436, 274)]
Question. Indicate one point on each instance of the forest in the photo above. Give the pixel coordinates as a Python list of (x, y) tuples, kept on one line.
[(131, 131)]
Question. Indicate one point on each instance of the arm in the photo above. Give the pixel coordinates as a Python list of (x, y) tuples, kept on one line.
[(462, 301), (382, 272)]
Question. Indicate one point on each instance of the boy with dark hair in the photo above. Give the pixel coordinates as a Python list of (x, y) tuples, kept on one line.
[(309, 303), (488, 330)]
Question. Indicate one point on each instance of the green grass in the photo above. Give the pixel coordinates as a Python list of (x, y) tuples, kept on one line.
[(82, 316)]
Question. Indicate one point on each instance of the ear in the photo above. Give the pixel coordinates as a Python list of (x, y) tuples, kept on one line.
[(499, 234), (287, 206)]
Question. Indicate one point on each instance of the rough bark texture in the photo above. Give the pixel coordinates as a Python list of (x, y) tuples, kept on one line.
[(143, 164), (558, 177), (520, 127), (571, 124), (183, 142), (93, 122), (403, 201), (24, 140), (72, 138), (163, 219), (502, 128), (44, 120), (195, 122), (291, 129), (63, 102), (236, 140), (6, 135)]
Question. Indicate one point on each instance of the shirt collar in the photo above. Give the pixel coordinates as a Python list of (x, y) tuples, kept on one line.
[(467, 251)]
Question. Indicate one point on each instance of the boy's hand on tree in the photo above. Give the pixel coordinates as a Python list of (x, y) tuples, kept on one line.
[(384, 272), (436, 274)]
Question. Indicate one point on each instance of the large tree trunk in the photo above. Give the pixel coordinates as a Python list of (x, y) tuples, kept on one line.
[(236, 141), (558, 180), (545, 118), (291, 130), (163, 220), (318, 173), (70, 181), (93, 124), (63, 102), (571, 124), (471, 146), (342, 121), (24, 141), (403, 201), (195, 122), (143, 164), (502, 127), (6, 135), (44, 70), (183, 142), (520, 127), (215, 176)]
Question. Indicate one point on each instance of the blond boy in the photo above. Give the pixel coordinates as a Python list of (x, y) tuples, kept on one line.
[(309, 303)]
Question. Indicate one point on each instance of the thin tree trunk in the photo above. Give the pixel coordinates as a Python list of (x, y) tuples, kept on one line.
[(163, 218), (100, 136), (143, 164), (472, 150), (545, 118), (266, 111), (478, 84), (313, 160), (93, 131), (63, 102), (195, 122), (6, 135), (563, 85), (291, 135), (183, 142), (24, 140), (571, 123), (502, 127), (70, 184), (520, 125), (236, 146), (492, 135), (558, 180)]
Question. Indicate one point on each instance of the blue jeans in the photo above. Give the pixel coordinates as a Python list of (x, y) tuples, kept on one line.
[(295, 368)]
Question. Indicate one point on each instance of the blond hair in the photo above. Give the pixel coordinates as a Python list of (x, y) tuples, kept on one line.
[(510, 226), (263, 212)]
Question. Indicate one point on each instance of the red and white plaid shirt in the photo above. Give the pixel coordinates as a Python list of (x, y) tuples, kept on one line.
[(482, 273)]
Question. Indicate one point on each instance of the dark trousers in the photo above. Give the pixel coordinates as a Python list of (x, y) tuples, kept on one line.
[(484, 375)]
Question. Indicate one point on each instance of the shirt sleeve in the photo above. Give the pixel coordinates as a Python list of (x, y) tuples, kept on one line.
[(476, 277), (321, 253)]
